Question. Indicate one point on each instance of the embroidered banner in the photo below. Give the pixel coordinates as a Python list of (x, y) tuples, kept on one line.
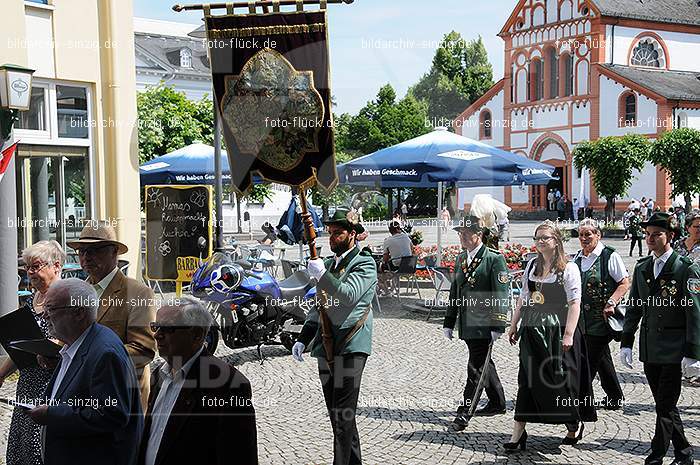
[(272, 86)]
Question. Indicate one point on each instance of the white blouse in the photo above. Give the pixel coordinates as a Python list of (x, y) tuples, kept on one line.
[(572, 281)]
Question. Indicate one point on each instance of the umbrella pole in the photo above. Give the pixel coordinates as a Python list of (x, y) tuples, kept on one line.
[(439, 225), (326, 336), (218, 183)]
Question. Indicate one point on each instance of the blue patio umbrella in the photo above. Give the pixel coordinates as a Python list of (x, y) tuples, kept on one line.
[(442, 156), (192, 164), (291, 227)]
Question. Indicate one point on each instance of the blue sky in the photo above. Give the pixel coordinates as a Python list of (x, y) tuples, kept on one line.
[(375, 42)]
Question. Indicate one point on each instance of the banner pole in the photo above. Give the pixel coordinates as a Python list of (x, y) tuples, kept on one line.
[(326, 336), (218, 182)]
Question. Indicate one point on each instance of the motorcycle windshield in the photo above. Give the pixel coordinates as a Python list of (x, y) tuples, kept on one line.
[(215, 261)]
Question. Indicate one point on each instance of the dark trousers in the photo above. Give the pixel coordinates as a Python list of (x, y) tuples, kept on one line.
[(638, 241), (341, 390), (665, 383), (478, 348), (600, 361)]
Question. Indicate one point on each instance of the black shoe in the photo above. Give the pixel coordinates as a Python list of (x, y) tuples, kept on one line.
[(683, 461), (490, 411), (514, 446), (460, 422), (569, 441)]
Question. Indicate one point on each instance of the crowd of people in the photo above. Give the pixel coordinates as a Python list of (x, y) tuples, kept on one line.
[(98, 402)]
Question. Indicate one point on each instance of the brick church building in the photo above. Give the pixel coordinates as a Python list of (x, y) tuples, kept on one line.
[(577, 70)]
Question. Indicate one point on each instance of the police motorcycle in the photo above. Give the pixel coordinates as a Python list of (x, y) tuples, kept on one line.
[(249, 306)]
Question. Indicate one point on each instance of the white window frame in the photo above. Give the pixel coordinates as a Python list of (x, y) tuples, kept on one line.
[(37, 133)]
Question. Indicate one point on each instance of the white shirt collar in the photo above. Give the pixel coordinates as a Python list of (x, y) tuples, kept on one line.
[(183, 369), (107, 279), (339, 259), (70, 350), (473, 253), (664, 257), (596, 252)]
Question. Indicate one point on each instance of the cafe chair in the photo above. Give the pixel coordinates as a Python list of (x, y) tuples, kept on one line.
[(406, 269), (441, 283)]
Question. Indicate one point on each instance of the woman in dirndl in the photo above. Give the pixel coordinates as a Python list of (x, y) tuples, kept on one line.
[(554, 382)]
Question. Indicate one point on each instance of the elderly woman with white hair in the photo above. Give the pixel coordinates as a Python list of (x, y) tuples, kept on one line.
[(44, 262)]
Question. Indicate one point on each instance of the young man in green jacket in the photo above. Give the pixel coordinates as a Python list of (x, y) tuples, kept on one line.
[(665, 297), (478, 303), (347, 284)]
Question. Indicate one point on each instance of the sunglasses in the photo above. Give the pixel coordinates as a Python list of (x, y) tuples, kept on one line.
[(166, 329), (83, 251)]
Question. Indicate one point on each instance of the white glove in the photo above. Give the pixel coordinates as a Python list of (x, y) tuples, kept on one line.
[(495, 335), (447, 332), (691, 367), (626, 357), (297, 350), (316, 268)]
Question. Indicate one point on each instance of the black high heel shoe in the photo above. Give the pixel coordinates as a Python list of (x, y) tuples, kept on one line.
[(514, 446), (569, 441)]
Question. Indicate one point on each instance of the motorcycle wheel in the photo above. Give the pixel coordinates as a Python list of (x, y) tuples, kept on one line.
[(212, 340)]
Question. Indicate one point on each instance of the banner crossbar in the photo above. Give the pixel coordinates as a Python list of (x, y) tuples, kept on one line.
[(258, 3)]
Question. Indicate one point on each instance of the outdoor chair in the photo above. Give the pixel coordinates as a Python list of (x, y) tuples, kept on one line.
[(441, 283), (406, 269), (153, 284)]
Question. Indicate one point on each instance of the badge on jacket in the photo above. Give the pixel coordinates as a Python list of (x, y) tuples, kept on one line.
[(503, 277), (694, 285)]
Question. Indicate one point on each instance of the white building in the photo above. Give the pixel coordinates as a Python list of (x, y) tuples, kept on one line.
[(577, 70)]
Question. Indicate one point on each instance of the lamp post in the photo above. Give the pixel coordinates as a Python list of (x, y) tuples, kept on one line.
[(15, 93)]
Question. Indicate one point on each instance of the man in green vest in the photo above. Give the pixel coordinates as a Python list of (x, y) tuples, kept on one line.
[(604, 283), (665, 297), (347, 284), (478, 305)]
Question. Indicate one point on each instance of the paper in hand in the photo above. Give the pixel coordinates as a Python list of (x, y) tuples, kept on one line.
[(43, 347), (14, 403), (20, 325)]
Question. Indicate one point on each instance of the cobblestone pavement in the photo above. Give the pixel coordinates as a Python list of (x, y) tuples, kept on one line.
[(410, 390)]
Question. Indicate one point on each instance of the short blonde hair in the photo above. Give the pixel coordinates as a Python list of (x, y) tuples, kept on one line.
[(47, 251)]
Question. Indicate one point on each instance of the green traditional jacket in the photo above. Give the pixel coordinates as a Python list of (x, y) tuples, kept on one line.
[(350, 288), (479, 295), (668, 308)]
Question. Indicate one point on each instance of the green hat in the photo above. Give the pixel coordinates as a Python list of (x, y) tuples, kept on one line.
[(662, 220), (470, 222), (348, 219)]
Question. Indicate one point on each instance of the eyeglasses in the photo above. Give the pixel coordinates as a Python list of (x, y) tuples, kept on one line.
[(656, 235), (83, 251), (542, 238), (48, 310), (166, 329), (36, 268)]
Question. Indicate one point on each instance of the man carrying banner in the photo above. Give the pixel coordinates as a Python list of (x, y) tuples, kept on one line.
[(348, 281), (479, 304)]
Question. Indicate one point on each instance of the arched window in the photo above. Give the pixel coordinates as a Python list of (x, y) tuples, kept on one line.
[(185, 58), (648, 52), (485, 125), (566, 65), (536, 80), (627, 113), (553, 70)]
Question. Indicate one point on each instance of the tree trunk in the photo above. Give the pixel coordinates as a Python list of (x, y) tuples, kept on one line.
[(688, 202), (238, 214), (608, 208), (390, 203)]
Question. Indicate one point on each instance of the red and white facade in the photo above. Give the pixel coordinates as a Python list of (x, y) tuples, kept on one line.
[(559, 90)]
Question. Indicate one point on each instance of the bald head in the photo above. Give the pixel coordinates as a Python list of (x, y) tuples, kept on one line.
[(70, 308)]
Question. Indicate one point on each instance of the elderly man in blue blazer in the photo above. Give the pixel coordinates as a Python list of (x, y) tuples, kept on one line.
[(93, 411)]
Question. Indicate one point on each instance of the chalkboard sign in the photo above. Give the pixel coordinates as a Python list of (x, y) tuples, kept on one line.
[(176, 217)]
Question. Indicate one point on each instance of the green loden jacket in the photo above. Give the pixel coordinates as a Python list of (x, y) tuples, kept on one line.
[(479, 298), (668, 308), (350, 287)]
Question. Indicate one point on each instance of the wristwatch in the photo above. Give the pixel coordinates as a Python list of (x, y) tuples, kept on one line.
[(611, 302)]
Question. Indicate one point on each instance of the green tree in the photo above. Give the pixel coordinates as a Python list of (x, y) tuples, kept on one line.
[(611, 161), (169, 121), (460, 74), (678, 153)]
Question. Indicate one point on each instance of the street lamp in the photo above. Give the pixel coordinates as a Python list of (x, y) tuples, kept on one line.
[(15, 95), (15, 92)]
